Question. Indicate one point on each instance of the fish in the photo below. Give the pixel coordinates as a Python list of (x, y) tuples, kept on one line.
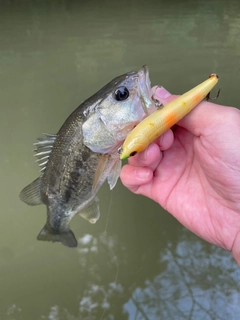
[(164, 118), (77, 160)]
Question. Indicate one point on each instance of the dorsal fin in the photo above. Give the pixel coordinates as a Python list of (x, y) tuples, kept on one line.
[(43, 149), (31, 194)]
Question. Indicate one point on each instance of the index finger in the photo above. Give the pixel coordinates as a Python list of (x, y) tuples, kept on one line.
[(205, 115)]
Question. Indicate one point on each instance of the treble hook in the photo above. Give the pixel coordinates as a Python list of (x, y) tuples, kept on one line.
[(209, 98), (157, 103), (218, 93)]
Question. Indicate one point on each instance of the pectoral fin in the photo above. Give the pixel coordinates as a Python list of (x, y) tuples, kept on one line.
[(99, 171), (91, 212), (114, 174)]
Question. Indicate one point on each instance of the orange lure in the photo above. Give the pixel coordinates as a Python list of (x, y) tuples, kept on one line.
[(164, 118)]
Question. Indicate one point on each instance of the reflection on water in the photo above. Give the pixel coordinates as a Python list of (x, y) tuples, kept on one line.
[(143, 265), (191, 284), (96, 296)]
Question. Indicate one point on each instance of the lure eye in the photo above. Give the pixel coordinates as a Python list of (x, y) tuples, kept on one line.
[(121, 94), (133, 153)]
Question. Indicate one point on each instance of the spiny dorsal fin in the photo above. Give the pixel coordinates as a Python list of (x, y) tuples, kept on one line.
[(31, 193), (43, 149)]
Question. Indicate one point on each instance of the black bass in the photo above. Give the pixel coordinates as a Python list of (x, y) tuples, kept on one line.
[(84, 153)]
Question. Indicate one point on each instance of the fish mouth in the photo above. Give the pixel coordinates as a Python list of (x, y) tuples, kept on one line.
[(145, 90)]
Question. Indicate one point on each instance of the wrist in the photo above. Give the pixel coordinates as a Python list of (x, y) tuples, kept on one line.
[(236, 248)]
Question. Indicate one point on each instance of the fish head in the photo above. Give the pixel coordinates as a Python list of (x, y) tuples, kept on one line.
[(121, 105), (128, 102)]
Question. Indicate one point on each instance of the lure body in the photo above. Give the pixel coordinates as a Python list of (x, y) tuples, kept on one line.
[(162, 119)]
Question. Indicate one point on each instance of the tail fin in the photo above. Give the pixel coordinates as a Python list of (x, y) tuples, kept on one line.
[(67, 238)]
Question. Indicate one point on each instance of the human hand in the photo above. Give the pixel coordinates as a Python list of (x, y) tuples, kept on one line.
[(194, 173)]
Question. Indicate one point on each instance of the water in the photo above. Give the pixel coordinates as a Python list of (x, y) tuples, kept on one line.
[(137, 262)]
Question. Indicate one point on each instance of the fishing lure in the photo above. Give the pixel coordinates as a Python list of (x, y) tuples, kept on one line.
[(164, 118)]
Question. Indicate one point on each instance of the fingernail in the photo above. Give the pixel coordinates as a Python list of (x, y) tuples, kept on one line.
[(162, 93), (142, 174), (143, 155)]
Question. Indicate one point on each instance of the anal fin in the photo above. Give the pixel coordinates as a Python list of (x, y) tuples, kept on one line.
[(91, 212)]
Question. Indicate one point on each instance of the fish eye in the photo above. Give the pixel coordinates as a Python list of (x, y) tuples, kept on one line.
[(121, 94)]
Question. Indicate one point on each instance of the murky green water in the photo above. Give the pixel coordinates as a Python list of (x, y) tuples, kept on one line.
[(137, 262)]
